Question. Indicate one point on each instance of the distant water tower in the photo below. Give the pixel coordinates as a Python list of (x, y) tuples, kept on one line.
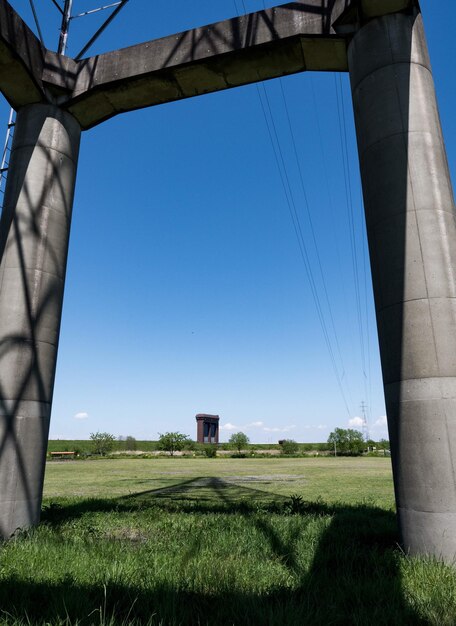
[(207, 428)]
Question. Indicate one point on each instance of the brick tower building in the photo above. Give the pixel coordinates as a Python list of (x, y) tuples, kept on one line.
[(207, 429)]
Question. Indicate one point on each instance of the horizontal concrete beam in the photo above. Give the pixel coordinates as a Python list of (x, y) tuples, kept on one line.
[(21, 60), (295, 37), (283, 40), (59, 73)]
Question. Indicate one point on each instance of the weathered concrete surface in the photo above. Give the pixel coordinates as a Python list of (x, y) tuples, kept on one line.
[(412, 241), (283, 40), (378, 8), (21, 60), (34, 231), (290, 38), (275, 42)]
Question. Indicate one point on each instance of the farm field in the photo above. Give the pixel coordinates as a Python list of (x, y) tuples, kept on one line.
[(220, 541)]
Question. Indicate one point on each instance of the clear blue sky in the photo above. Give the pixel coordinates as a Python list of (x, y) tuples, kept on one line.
[(186, 290)]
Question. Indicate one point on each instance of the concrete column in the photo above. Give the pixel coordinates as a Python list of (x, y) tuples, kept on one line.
[(34, 232), (412, 241)]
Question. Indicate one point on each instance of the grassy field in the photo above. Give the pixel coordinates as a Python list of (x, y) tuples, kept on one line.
[(86, 446), (220, 541)]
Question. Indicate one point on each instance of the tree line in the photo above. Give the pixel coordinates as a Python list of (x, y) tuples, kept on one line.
[(341, 442)]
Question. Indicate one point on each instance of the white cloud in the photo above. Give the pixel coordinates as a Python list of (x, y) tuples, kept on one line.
[(81, 416), (322, 427), (252, 425), (229, 426), (381, 422), (278, 430), (356, 422)]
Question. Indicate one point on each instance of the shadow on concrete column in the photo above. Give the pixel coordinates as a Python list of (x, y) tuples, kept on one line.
[(34, 233), (412, 241)]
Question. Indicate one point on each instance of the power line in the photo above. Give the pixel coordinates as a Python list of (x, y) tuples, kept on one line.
[(327, 187), (280, 161), (351, 219), (312, 230), (299, 234), (365, 269)]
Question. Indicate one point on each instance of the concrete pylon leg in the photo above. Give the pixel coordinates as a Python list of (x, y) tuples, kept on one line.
[(34, 232), (412, 241)]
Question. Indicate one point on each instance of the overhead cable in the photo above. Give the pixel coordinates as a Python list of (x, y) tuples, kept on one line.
[(312, 230), (289, 197), (300, 237), (351, 219)]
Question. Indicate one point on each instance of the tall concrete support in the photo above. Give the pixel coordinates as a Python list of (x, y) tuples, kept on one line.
[(411, 228), (34, 233)]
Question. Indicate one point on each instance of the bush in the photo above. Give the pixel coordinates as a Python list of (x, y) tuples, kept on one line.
[(172, 442), (289, 446), (102, 443), (239, 441), (347, 442), (210, 451), (130, 443)]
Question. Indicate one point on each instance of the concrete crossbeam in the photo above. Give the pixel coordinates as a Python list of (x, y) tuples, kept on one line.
[(21, 60), (290, 38), (286, 39), (267, 44)]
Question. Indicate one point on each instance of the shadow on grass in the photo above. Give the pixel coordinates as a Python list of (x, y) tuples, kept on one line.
[(352, 579), (198, 495)]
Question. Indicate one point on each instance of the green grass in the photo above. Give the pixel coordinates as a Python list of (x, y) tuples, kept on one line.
[(86, 446), (220, 541), (350, 480)]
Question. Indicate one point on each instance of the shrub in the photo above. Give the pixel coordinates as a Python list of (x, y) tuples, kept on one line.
[(172, 442), (102, 443), (239, 441), (347, 442), (130, 443), (210, 451), (289, 446)]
